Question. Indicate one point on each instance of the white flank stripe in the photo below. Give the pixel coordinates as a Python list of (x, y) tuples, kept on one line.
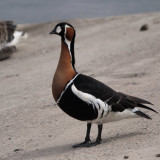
[(134, 110), (90, 99)]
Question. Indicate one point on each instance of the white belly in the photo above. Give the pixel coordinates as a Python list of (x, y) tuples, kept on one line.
[(115, 116)]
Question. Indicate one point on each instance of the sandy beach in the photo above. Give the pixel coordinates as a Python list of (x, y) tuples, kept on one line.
[(112, 50)]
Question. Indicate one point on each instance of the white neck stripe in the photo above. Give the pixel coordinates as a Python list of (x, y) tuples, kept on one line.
[(67, 87)]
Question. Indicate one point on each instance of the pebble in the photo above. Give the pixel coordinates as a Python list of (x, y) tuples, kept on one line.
[(18, 149), (144, 27), (126, 157), (158, 155)]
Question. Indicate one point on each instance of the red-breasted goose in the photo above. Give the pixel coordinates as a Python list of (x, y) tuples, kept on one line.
[(85, 98)]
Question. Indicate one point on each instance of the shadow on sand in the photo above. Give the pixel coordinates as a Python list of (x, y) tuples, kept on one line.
[(52, 151)]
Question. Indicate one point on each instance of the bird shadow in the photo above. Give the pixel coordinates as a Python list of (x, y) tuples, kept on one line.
[(121, 136), (54, 150), (115, 138), (39, 153)]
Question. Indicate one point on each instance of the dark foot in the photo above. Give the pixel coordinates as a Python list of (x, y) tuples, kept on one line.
[(83, 144), (94, 144), (87, 144)]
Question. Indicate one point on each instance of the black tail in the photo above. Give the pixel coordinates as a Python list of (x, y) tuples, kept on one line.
[(146, 107), (142, 114), (135, 99), (133, 102)]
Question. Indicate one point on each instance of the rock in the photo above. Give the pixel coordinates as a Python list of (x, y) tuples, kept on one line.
[(158, 155), (144, 27), (126, 157), (18, 149), (7, 52)]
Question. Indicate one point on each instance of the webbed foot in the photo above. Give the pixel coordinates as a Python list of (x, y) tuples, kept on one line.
[(86, 143)]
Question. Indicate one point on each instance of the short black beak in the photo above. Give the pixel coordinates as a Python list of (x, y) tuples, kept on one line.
[(53, 32)]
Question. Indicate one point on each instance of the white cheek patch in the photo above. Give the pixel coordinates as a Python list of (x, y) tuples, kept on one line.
[(58, 30)]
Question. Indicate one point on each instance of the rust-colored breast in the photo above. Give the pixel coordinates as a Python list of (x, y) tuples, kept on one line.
[(64, 72)]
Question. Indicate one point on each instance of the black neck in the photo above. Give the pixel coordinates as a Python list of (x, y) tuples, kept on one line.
[(72, 52)]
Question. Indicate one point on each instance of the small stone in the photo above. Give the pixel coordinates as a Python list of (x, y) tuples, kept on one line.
[(126, 157), (9, 138), (158, 155), (18, 149), (50, 135), (144, 27)]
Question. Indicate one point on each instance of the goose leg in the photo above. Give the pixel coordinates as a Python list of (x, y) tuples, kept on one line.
[(87, 141), (98, 139)]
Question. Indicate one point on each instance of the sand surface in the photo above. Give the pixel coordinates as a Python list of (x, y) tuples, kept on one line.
[(112, 50)]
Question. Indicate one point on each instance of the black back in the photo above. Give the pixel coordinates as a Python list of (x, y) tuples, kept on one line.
[(94, 87)]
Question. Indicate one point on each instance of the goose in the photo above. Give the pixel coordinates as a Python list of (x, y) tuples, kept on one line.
[(85, 98)]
